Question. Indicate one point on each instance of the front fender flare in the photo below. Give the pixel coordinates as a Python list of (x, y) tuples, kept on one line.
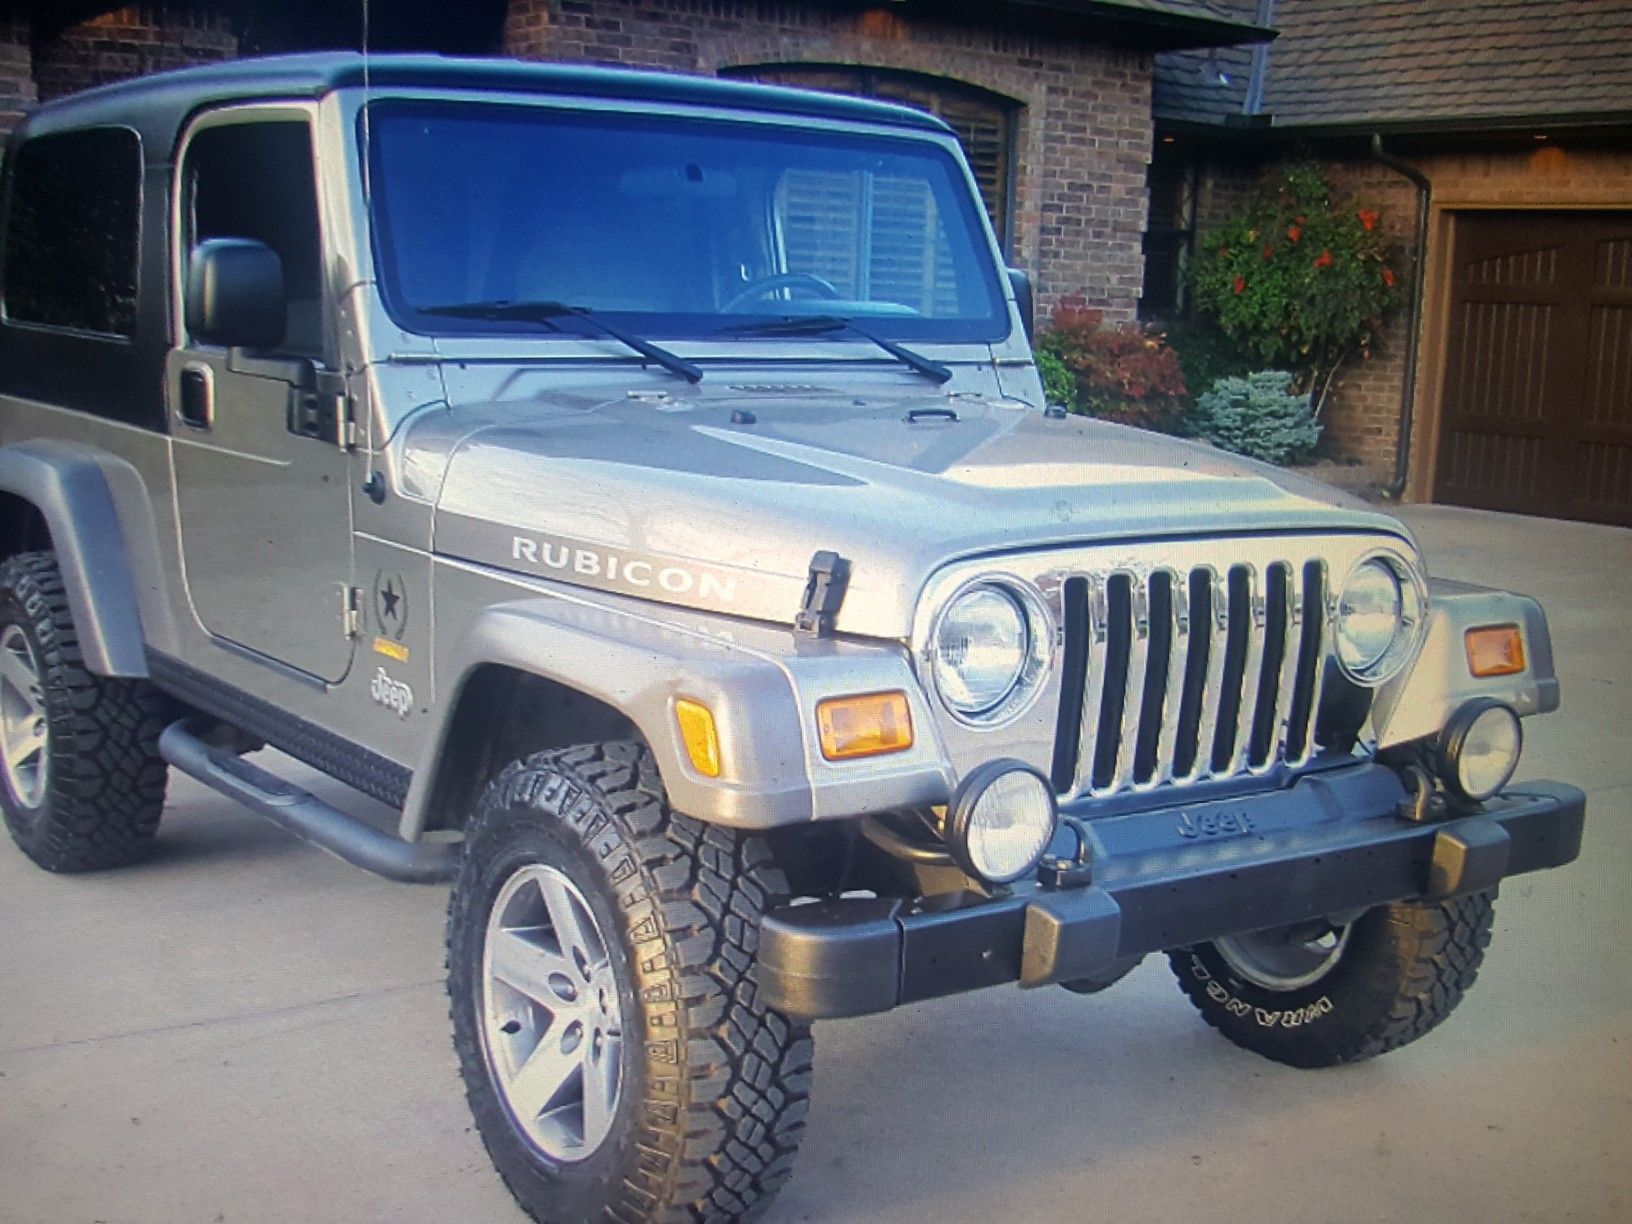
[(69, 488), (1418, 703), (763, 699)]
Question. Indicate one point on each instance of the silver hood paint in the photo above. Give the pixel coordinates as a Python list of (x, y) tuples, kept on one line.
[(675, 482)]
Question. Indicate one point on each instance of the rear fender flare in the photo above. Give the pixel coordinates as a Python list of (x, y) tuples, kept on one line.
[(70, 490)]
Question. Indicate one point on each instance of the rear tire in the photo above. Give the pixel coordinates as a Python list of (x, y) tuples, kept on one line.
[(81, 780), (1391, 976), (702, 1101)]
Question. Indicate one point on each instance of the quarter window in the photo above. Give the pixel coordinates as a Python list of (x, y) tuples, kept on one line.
[(71, 232)]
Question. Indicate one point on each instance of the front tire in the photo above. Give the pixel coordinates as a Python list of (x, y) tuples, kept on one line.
[(81, 780), (615, 1053), (1314, 997)]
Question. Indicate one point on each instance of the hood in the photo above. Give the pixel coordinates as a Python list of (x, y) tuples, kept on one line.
[(718, 498)]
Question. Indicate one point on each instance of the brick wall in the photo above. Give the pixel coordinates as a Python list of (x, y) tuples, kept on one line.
[(129, 42), (1084, 129), (16, 72)]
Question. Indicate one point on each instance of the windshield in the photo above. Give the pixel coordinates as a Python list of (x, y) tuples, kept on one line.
[(672, 227)]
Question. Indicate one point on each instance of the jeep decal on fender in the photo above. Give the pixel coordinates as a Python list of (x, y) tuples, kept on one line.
[(394, 695)]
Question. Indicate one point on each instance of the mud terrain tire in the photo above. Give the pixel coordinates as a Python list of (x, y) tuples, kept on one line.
[(99, 781), (1403, 970), (714, 1085)]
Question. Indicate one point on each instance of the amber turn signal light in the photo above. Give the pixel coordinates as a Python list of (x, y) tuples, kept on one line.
[(701, 738), (870, 724), (1495, 650)]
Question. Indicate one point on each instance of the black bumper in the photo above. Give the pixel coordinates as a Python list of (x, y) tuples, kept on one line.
[(1328, 845)]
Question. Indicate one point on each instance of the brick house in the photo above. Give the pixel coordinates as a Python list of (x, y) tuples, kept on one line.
[(1517, 116), (1108, 134), (1051, 97)]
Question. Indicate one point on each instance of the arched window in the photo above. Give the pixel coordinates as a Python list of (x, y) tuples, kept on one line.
[(984, 121)]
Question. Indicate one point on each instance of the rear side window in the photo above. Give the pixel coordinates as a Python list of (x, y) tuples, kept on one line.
[(71, 232)]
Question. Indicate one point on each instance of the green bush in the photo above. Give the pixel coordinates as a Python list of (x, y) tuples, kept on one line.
[(1059, 384), (1300, 278), (1258, 416), (1206, 354)]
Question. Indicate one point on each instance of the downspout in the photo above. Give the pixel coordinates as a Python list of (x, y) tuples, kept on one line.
[(1408, 403)]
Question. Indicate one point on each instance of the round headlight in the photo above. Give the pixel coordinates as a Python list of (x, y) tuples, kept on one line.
[(980, 650), (1001, 821), (1379, 619), (1479, 749)]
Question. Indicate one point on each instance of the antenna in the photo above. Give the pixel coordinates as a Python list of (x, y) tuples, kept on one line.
[(368, 159)]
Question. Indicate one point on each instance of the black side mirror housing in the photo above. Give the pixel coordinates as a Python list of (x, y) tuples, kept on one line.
[(235, 294), (1026, 299)]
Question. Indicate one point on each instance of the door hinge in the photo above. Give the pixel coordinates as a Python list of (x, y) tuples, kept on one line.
[(351, 610)]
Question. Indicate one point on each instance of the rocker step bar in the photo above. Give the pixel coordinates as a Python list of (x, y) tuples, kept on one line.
[(302, 813)]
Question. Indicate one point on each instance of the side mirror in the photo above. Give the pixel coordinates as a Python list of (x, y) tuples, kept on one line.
[(235, 294), (1026, 299)]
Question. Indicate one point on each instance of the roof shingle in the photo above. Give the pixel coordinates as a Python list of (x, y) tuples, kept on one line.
[(1341, 62)]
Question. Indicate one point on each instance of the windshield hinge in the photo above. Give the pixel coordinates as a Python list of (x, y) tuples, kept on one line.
[(337, 410), (351, 610), (824, 594)]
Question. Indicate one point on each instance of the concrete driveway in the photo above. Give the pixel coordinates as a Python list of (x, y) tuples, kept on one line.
[(246, 1030)]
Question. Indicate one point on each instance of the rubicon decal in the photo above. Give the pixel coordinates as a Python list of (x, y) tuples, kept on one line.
[(616, 568)]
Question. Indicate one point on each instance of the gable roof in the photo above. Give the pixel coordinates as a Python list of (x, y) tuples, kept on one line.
[(1388, 62)]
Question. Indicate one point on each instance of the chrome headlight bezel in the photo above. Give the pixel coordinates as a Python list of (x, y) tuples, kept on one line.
[(1035, 656), (1411, 625)]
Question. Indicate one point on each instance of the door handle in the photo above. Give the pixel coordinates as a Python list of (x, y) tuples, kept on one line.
[(197, 407)]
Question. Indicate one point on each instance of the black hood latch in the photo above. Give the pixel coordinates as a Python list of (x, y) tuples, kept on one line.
[(824, 595)]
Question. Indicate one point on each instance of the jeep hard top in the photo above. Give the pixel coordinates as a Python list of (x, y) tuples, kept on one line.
[(643, 484)]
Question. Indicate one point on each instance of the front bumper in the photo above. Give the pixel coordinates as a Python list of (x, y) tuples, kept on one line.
[(1328, 845)]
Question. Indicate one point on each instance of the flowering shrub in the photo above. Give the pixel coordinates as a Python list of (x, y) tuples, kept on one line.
[(1299, 278), (1258, 416), (1115, 372)]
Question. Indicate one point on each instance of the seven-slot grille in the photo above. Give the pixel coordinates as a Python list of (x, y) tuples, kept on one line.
[(1178, 675)]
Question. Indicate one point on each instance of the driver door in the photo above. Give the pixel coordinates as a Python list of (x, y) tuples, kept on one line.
[(263, 477)]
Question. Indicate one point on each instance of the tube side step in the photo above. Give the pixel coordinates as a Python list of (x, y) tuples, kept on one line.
[(302, 813)]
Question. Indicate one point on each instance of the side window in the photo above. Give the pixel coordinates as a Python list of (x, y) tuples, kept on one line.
[(255, 180), (71, 232)]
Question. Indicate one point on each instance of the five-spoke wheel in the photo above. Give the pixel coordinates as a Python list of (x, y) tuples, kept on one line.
[(25, 739), (551, 1018)]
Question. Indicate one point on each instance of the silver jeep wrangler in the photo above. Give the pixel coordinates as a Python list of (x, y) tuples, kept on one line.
[(643, 483)]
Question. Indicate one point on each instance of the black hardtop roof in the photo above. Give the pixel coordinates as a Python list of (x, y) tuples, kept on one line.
[(158, 105)]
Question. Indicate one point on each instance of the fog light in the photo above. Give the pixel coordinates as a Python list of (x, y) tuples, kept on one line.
[(1001, 821), (1479, 749)]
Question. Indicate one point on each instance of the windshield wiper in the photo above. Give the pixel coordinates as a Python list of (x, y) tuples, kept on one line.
[(545, 313), (822, 325)]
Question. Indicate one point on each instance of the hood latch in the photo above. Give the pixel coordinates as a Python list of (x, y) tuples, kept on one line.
[(824, 595)]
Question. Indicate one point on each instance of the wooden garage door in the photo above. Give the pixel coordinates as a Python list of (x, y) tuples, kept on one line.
[(1537, 408)]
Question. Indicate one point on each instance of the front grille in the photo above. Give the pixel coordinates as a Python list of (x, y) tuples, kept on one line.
[(1175, 676)]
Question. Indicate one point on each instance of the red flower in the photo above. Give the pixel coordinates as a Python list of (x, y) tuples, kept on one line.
[(1294, 232), (1269, 251), (1240, 284), (1388, 276), (1368, 218), (1223, 251), (1323, 260)]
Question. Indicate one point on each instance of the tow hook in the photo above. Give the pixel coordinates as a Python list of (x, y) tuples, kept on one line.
[(1421, 805), (1076, 871)]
